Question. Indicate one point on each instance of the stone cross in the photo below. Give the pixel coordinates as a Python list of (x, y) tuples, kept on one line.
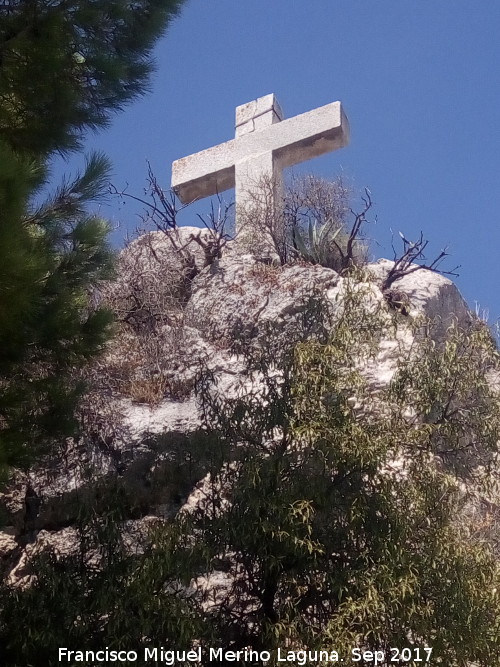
[(264, 144)]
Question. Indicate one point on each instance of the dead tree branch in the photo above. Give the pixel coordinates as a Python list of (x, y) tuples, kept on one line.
[(360, 219), (413, 259), (161, 210)]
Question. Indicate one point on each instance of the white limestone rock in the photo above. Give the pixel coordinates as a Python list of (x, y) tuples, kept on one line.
[(154, 275), (236, 292), (163, 250), (240, 291), (8, 542), (429, 294), (168, 415)]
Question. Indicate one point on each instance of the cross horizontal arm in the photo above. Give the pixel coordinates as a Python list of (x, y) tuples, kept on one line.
[(289, 142), (205, 173), (306, 136)]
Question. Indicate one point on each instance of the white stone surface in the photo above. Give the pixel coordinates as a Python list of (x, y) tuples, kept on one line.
[(169, 415), (8, 542), (237, 291), (264, 145), (242, 291), (429, 294), (257, 115)]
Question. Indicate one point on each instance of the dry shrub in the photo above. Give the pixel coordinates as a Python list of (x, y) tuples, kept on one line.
[(280, 221), (149, 390), (321, 226), (150, 366), (261, 220), (266, 274), (147, 359), (154, 278)]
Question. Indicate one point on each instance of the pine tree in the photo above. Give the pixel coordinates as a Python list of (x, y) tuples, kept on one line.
[(52, 256), (66, 66), (64, 69)]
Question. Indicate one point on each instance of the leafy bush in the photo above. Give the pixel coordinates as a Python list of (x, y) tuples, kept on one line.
[(331, 517)]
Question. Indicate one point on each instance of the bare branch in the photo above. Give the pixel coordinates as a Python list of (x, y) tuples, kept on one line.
[(413, 259)]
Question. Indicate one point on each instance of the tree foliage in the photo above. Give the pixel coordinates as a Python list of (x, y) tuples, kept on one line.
[(54, 255), (65, 67), (337, 522)]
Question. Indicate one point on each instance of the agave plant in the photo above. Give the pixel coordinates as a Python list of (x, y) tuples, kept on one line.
[(318, 247)]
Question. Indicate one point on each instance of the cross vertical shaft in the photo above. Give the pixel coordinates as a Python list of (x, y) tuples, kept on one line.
[(258, 178)]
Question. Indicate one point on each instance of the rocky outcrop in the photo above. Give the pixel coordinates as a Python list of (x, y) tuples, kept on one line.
[(180, 308), (426, 293)]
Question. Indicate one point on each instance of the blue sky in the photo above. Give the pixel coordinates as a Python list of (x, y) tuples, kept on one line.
[(420, 82)]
